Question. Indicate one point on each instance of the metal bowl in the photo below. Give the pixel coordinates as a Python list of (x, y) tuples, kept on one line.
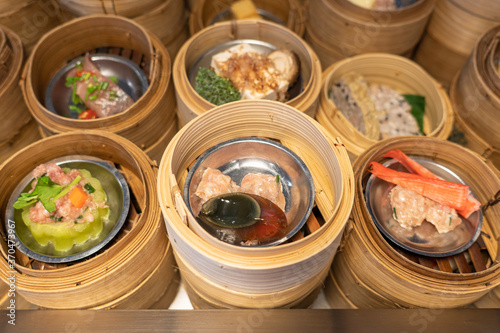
[(425, 239), (227, 15), (118, 198), (131, 79), (206, 59), (241, 156)]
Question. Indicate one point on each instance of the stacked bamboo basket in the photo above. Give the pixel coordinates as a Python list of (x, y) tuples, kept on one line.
[(490, 300), (289, 12), (17, 128), (167, 19), (337, 29), (150, 122), (369, 272), (220, 275), (400, 74), (451, 34), (30, 19), (191, 105), (475, 95), (136, 270)]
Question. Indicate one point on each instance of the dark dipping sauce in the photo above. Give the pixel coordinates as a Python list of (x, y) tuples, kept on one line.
[(243, 219)]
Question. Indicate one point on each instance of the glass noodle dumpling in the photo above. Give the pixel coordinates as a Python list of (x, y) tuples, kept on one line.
[(251, 73)]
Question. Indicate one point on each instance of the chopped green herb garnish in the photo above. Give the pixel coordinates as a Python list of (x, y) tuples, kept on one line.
[(89, 188), (395, 215), (94, 77), (417, 104), (75, 109), (71, 80), (112, 95), (79, 217), (113, 78), (450, 221), (74, 97), (76, 222), (214, 88), (277, 179), (57, 219), (104, 85), (67, 188)]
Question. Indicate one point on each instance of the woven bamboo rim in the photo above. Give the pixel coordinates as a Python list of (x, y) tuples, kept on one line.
[(114, 274), (16, 128), (31, 19), (127, 8), (473, 140), (290, 12), (397, 72), (372, 273), (490, 300), (167, 19), (191, 105), (355, 30), (476, 94), (446, 45), (231, 271), (145, 121)]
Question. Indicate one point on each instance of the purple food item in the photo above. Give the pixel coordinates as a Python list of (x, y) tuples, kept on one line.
[(98, 92)]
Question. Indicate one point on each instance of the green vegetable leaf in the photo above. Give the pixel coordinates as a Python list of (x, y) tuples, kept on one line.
[(45, 189), (113, 78), (417, 104), (214, 88)]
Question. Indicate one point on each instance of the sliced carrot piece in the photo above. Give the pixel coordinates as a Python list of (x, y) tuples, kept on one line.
[(441, 191), (410, 164), (78, 197)]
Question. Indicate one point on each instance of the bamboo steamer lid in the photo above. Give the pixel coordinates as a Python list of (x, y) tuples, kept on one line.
[(30, 19), (17, 129), (475, 95), (230, 276), (400, 74), (167, 19), (342, 29), (289, 12), (147, 120), (191, 105), (451, 34), (375, 274), (125, 273)]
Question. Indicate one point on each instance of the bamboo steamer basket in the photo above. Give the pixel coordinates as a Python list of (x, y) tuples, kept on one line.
[(7, 294), (399, 73), (191, 105), (167, 19), (146, 122), (223, 275), (17, 129), (343, 28), (127, 271), (372, 273), (490, 300), (289, 12), (475, 95), (30, 19), (447, 43)]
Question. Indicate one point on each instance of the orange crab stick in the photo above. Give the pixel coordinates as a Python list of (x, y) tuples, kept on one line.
[(441, 191), (472, 203), (410, 164)]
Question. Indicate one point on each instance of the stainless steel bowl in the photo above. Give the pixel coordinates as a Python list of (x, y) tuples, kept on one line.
[(425, 239), (131, 79), (118, 198), (239, 157), (206, 59)]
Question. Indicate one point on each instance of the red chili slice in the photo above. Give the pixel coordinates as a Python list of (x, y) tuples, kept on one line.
[(87, 114)]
